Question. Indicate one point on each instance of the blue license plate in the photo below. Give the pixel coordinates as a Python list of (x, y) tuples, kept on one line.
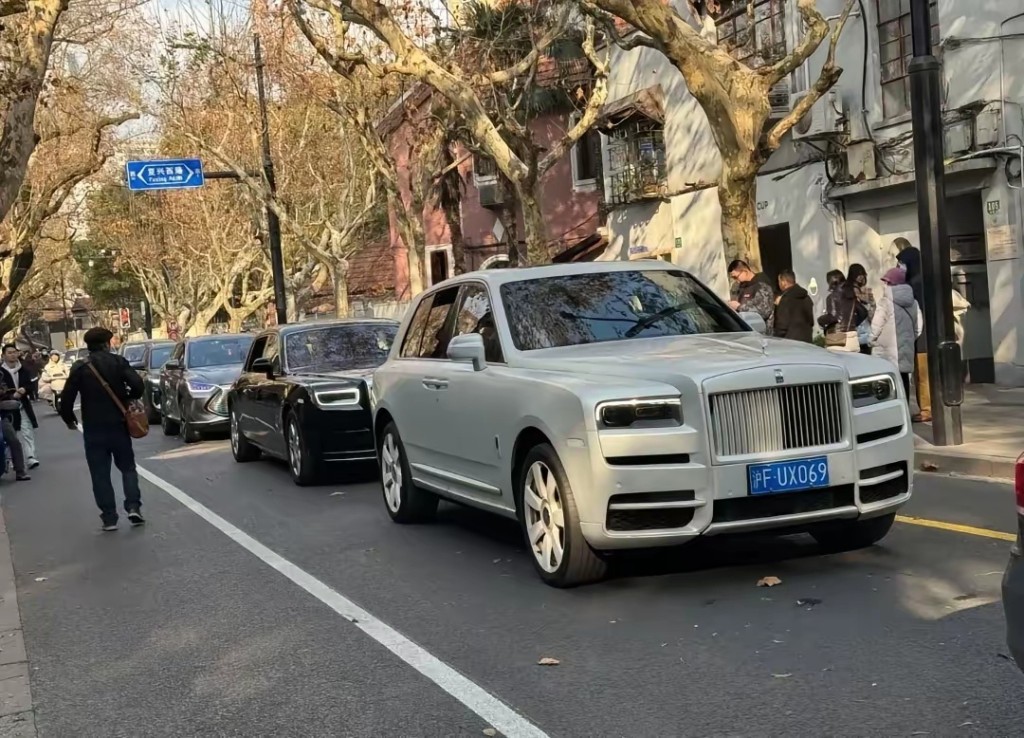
[(788, 476)]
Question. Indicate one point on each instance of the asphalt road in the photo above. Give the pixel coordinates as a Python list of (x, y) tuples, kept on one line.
[(178, 630)]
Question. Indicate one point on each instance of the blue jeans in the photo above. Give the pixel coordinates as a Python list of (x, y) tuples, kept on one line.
[(101, 446)]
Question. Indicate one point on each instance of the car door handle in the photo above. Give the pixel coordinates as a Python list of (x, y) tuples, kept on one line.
[(435, 384)]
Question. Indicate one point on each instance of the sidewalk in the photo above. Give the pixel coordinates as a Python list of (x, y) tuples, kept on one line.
[(993, 423)]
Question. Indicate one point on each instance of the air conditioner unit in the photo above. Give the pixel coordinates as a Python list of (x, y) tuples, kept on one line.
[(778, 100), (824, 119), (491, 195)]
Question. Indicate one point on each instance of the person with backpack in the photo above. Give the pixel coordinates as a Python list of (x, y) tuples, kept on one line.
[(107, 385), (897, 324)]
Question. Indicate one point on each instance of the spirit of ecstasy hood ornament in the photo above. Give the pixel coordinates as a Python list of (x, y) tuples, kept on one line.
[(764, 346)]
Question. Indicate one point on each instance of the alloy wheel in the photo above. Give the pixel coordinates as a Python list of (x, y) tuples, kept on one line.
[(294, 448), (234, 432), (545, 518), (391, 473)]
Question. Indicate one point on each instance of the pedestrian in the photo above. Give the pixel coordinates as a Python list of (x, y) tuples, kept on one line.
[(105, 432), (53, 377), (794, 312), (33, 364), (15, 376), (858, 276), (751, 292), (909, 260), (10, 416), (897, 324), (843, 313)]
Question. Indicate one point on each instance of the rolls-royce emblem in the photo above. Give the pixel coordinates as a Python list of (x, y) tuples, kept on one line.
[(778, 376)]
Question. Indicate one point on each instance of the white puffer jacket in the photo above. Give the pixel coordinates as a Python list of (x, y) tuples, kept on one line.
[(896, 325)]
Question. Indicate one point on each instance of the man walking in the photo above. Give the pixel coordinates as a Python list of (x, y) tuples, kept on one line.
[(794, 313), (751, 292), (103, 423), (18, 377)]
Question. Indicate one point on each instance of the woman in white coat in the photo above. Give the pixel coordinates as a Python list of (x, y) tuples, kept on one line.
[(896, 324)]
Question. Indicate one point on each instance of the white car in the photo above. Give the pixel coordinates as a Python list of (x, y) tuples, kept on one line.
[(616, 405)]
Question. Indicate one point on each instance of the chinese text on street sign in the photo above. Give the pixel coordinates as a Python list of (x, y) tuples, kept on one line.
[(166, 174)]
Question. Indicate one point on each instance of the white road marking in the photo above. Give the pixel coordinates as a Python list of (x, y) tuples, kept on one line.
[(495, 712)]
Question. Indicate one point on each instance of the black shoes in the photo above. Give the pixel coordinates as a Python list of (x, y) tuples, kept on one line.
[(135, 518), (109, 527), (23, 478)]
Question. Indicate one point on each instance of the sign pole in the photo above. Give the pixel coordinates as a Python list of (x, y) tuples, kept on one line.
[(273, 224), (945, 372)]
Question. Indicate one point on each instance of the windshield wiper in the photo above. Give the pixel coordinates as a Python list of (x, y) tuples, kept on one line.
[(650, 320)]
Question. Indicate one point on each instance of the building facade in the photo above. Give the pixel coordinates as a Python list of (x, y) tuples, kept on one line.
[(841, 188)]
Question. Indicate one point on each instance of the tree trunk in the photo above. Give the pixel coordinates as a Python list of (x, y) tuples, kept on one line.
[(340, 275), (737, 194), (458, 240), (535, 229)]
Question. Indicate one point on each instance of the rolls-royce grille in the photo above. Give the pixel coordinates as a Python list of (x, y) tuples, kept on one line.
[(775, 419)]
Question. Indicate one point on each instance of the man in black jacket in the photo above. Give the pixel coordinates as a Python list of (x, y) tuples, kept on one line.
[(794, 315), (103, 424), (16, 379)]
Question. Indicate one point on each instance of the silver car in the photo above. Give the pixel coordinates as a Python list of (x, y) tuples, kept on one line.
[(623, 405)]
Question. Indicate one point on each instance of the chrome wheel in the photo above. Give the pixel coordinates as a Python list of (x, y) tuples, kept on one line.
[(294, 448), (545, 518), (391, 473)]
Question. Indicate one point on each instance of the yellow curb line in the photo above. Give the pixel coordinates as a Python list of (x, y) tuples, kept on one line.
[(954, 527)]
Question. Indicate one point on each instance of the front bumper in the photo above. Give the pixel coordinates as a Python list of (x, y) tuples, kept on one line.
[(1013, 605), (339, 435), (207, 413), (638, 505)]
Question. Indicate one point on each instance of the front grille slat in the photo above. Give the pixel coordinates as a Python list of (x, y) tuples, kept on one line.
[(777, 419)]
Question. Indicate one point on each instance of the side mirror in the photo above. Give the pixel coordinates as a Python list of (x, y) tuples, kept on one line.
[(172, 365), (263, 366), (755, 321), (468, 347)]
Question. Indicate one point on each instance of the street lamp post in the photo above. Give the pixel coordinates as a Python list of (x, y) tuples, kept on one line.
[(945, 371)]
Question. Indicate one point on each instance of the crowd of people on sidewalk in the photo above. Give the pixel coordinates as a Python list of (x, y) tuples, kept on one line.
[(891, 327)]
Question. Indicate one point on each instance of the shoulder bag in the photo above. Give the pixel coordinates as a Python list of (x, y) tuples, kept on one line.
[(134, 415), (845, 341)]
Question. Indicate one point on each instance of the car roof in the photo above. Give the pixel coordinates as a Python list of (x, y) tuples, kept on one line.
[(217, 337), (498, 277), (149, 342), (306, 325)]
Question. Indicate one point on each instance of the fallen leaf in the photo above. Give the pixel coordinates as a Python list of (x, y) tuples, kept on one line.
[(496, 561), (920, 732), (40, 579), (337, 494), (768, 581), (782, 676), (928, 466), (548, 661), (490, 731), (808, 602)]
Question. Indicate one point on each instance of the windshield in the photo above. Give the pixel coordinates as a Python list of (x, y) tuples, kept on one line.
[(340, 347), (218, 352), (159, 356), (611, 306), (133, 354)]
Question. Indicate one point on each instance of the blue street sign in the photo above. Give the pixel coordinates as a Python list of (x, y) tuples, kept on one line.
[(164, 174)]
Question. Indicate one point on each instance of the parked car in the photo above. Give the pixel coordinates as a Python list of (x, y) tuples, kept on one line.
[(147, 357), (194, 383), (70, 357), (623, 405), (1013, 579), (303, 396)]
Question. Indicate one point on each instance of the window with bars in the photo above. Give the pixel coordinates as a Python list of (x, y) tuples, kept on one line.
[(636, 161), (896, 51), (756, 41)]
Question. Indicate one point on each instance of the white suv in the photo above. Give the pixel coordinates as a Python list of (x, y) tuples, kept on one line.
[(621, 405)]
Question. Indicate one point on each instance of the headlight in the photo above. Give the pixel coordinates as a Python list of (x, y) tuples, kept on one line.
[(647, 413), (332, 398), (197, 386), (872, 390)]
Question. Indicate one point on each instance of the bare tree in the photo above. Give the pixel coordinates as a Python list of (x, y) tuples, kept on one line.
[(734, 96)]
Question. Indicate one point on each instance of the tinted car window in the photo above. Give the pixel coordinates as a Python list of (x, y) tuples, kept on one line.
[(218, 352), (414, 336), (133, 353), (438, 329), (338, 348), (475, 316), (159, 355), (611, 306)]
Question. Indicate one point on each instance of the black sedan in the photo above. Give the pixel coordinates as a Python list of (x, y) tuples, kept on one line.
[(304, 397), (147, 357), (1013, 580)]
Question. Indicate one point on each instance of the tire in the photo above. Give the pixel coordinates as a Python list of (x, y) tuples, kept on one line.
[(241, 449), (189, 434), (849, 535), (404, 501), (152, 414), (304, 467), (545, 497), (169, 426)]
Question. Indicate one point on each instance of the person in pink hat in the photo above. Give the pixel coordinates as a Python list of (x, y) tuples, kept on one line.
[(896, 324)]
